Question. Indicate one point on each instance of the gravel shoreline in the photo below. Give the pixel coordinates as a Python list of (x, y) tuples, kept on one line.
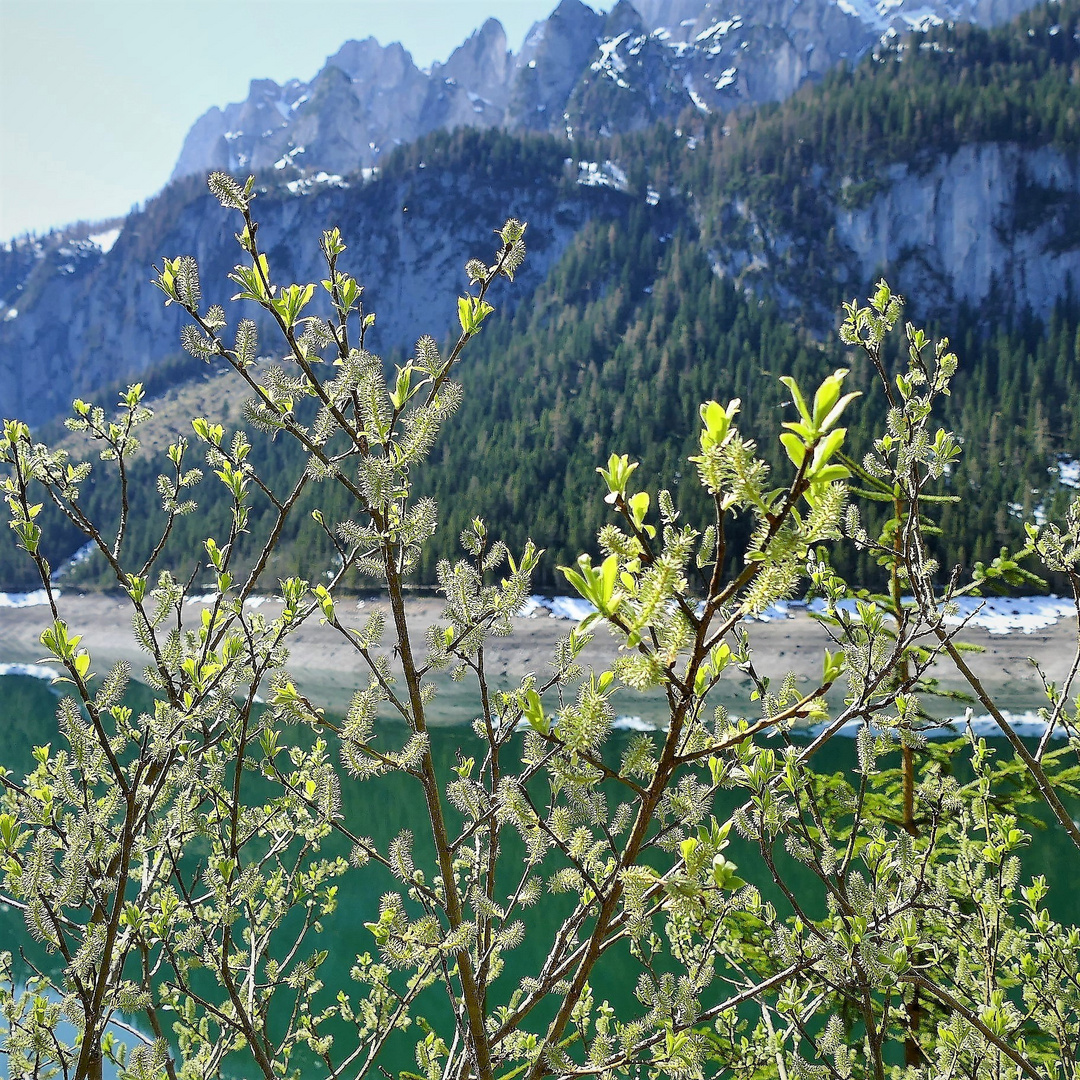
[(325, 665)]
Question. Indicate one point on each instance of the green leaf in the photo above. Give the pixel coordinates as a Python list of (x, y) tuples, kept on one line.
[(533, 711), (795, 447), (838, 408), (471, 313), (826, 449), (796, 396)]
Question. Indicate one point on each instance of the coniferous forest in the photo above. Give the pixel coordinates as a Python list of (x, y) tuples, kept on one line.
[(633, 327)]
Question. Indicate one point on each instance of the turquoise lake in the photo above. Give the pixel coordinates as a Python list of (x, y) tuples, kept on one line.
[(384, 807)]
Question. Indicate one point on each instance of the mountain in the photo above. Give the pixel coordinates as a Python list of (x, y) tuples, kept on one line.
[(948, 161), (88, 318), (934, 166), (668, 264), (577, 71)]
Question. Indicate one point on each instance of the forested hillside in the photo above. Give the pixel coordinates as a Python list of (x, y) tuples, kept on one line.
[(727, 267)]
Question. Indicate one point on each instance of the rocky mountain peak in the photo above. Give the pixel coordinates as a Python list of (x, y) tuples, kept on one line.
[(361, 60), (480, 69), (578, 70), (624, 16), (550, 63), (483, 59)]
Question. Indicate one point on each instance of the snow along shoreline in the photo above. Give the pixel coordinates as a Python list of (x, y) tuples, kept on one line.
[(997, 615), (1028, 725)]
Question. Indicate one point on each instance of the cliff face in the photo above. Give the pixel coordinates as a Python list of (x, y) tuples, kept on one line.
[(80, 318), (991, 222), (991, 218), (543, 76)]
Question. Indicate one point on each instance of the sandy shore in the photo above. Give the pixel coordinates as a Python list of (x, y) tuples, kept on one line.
[(325, 665)]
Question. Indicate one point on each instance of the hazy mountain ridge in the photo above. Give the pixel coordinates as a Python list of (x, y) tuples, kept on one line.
[(83, 318)]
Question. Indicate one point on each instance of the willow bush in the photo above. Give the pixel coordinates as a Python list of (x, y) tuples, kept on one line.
[(172, 858)]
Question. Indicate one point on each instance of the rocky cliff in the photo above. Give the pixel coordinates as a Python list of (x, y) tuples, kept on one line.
[(992, 221)]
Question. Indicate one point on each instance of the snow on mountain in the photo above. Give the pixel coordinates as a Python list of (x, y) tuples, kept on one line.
[(734, 51), (105, 240), (577, 70)]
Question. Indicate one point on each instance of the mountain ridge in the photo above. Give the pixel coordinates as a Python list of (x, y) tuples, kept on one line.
[(781, 211), (575, 71)]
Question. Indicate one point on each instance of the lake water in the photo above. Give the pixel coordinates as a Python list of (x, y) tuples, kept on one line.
[(384, 807)]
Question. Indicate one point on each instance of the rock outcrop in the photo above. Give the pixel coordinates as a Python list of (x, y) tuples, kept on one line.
[(992, 221), (991, 224)]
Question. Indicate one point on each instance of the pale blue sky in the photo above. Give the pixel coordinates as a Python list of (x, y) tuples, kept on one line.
[(97, 95)]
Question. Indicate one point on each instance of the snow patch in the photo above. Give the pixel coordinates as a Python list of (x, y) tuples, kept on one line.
[(680, 48), (11, 313), (720, 29), (203, 598), (38, 598), (611, 63), (782, 609), (287, 158), (105, 240), (77, 559), (632, 723), (573, 608), (1002, 615), (608, 174), (727, 77), (1028, 725), (861, 10), (922, 20), (1068, 472), (997, 615), (302, 187), (688, 86), (32, 671)]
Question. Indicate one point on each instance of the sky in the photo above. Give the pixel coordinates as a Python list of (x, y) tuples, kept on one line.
[(99, 94)]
